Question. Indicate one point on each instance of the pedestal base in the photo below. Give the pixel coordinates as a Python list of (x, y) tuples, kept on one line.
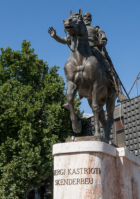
[(95, 170)]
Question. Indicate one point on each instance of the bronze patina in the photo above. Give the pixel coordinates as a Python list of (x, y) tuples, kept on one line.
[(88, 71)]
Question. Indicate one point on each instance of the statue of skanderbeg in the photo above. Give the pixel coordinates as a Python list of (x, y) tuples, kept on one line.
[(97, 42), (89, 71)]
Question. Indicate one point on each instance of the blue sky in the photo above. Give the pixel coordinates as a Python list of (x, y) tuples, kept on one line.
[(30, 20)]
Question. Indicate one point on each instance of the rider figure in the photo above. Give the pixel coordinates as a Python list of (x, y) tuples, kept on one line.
[(96, 34)]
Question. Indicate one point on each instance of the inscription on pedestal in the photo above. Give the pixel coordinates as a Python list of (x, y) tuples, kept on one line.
[(76, 181)]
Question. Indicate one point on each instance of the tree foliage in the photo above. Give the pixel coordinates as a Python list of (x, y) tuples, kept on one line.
[(31, 120)]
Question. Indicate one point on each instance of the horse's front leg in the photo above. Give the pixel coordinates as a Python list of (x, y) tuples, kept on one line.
[(71, 92), (96, 109)]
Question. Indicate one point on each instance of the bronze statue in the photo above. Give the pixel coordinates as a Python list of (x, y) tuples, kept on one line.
[(86, 73)]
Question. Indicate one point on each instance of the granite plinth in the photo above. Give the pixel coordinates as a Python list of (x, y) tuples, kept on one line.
[(95, 170)]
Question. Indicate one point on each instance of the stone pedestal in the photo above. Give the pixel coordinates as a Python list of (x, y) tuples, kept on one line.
[(95, 170)]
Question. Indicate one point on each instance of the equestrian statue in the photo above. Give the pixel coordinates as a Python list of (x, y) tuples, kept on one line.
[(89, 71)]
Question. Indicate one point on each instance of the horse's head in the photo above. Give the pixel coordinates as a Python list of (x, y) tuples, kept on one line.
[(75, 25)]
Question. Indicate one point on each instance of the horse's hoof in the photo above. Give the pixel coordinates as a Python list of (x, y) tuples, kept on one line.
[(78, 127), (107, 138), (97, 138), (66, 106)]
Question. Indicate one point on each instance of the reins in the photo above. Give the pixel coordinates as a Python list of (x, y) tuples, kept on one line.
[(67, 40)]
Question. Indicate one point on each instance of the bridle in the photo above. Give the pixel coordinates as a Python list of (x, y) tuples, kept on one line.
[(79, 37)]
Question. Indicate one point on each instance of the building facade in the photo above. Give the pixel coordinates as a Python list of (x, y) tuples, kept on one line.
[(126, 129)]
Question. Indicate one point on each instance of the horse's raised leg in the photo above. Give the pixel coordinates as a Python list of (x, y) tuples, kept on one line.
[(71, 92), (110, 105)]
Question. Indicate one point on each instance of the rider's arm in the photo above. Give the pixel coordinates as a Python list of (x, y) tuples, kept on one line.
[(63, 40), (102, 37)]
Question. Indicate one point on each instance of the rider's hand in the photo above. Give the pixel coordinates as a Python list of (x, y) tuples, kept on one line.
[(52, 32)]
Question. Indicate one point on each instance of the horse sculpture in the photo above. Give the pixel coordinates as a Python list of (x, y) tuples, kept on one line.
[(85, 75)]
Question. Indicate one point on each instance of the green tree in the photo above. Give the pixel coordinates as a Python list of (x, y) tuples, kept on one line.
[(31, 120)]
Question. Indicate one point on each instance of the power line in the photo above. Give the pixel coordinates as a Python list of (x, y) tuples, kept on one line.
[(135, 82)]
